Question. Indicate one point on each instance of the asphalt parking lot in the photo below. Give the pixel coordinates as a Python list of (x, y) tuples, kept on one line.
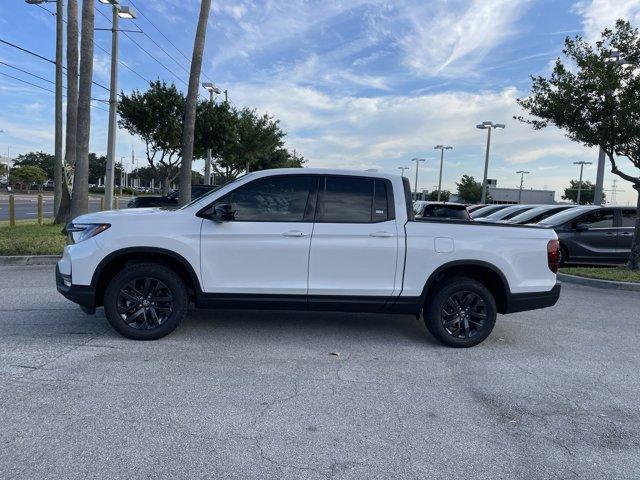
[(237, 394)]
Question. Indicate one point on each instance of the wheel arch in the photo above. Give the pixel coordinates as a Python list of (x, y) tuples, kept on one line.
[(116, 261), (486, 273)]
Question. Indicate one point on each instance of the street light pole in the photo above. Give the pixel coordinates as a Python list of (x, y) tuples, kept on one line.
[(117, 11), (522, 174), (442, 148), (582, 164), (402, 170), (487, 126), (207, 166), (415, 189), (602, 157)]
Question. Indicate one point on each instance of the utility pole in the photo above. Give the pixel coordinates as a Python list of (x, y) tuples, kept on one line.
[(58, 177), (415, 189), (522, 174), (442, 148), (402, 170), (582, 164), (488, 126)]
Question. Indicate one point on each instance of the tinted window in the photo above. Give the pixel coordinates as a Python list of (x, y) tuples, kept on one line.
[(271, 199), (445, 211), (598, 219), (564, 216), (628, 218), (351, 200), (380, 202)]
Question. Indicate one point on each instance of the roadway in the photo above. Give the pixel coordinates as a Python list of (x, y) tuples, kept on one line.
[(240, 394), (27, 206)]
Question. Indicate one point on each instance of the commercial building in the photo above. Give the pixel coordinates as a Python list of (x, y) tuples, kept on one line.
[(530, 196)]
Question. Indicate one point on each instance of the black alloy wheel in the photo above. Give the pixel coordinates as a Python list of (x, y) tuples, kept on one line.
[(461, 312), (146, 301), (463, 315)]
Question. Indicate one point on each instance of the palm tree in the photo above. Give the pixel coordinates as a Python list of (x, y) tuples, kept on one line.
[(62, 215), (188, 129), (80, 197)]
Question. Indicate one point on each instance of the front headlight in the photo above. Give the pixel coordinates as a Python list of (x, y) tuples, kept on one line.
[(78, 232)]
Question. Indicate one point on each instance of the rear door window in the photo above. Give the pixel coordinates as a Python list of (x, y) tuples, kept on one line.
[(628, 218), (599, 219), (353, 200)]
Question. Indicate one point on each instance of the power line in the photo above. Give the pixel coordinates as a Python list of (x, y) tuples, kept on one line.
[(123, 64), (49, 90), (30, 52), (143, 49)]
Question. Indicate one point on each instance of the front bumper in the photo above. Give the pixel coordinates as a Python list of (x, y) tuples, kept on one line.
[(520, 302), (83, 295)]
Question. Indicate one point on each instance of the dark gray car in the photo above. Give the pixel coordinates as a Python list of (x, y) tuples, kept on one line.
[(594, 235)]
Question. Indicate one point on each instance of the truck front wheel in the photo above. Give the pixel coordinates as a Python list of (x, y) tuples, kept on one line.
[(145, 301), (461, 312)]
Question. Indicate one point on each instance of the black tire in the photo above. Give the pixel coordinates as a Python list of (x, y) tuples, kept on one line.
[(456, 323), (155, 292)]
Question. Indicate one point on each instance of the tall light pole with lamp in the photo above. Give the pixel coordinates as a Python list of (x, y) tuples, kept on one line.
[(522, 174), (117, 11), (488, 126), (213, 90), (442, 148), (402, 169), (415, 189), (582, 164), (602, 157), (57, 169)]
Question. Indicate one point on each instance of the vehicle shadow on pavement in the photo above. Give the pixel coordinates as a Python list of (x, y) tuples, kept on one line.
[(304, 325)]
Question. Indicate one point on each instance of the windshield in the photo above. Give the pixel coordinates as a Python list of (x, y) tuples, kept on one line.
[(541, 212), (203, 197), (499, 215), (565, 216), (489, 209)]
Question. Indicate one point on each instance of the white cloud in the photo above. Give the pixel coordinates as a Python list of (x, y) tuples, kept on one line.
[(599, 14), (454, 37)]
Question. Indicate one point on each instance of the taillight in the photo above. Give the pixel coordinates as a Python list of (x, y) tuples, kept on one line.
[(553, 255)]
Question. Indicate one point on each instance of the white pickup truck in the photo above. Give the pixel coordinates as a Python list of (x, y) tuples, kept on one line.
[(306, 239)]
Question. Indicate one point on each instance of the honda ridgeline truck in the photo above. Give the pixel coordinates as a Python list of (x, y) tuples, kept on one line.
[(306, 239)]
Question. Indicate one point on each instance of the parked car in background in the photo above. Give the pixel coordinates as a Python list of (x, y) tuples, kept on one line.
[(505, 213), (473, 208), (593, 234), (171, 200), (537, 214), (486, 210), (454, 211), (307, 239)]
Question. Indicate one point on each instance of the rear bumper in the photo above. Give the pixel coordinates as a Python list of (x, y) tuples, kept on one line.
[(83, 295), (520, 302)]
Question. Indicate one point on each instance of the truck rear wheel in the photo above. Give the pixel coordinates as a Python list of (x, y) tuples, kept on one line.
[(461, 313), (146, 301)]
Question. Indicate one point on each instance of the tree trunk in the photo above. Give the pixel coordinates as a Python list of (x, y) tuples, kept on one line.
[(80, 198), (62, 215), (188, 129), (634, 258)]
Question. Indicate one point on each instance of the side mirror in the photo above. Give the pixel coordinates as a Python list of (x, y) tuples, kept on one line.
[(224, 212), (582, 227)]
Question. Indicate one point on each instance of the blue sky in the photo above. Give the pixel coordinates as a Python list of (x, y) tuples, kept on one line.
[(355, 83)]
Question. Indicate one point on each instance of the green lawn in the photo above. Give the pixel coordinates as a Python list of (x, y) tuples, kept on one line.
[(618, 274), (29, 238)]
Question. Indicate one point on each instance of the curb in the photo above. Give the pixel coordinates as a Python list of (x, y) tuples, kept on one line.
[(593, 282), (29, 260)]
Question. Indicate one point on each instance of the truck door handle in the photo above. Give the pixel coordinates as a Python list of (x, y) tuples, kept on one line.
[(382, 234), (610, 234), (294, 233), (626, 234)]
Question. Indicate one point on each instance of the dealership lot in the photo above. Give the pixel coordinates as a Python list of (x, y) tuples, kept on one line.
[(234, 394)]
